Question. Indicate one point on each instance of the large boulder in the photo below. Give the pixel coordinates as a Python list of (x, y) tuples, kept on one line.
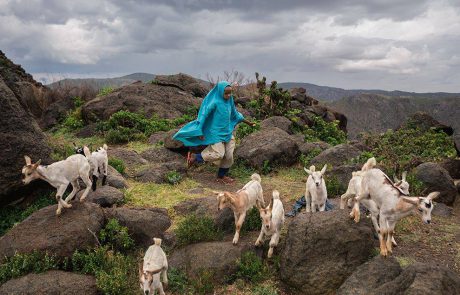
[(218, 258), (281, 122), (172, 144), (453, 167), (143, 224), (423, 279), (300, 94), (425, 122), (271, 145), (184, 82), (115, 179), (223, 219), (105, 196), (20, 135), (150, 99), (59, 235), (52, 282), (370, 275), (162, 161), (437, 178), (323, 249), (337, 155)]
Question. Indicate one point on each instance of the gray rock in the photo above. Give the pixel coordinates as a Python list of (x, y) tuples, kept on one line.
[(52, 282), (271, 145), (184, 82), (370, 276), (437, 178), (281, 122), (171, 143), (143, 224), (60, 235), (342, 175), (337, 155), (115, 179), (323, 249), (453, 167), (105, 196), (157, 137), (161, 161), (440, 209)]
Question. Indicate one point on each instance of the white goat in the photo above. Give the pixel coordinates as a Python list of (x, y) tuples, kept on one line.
[(98, 161), (154, 265), (241, 201), (354, 185), (316, 192), (59, 175), (272, 222), (390, 204)]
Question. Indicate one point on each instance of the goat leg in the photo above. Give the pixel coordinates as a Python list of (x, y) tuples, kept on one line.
[(93, 186)]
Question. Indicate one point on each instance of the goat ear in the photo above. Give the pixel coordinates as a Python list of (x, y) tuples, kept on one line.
[(28, 160), (258, 205), (404, 174), (38, 163), (306, 170), (433, 195), (411, 200), (141, 271), (324, 169), (229, 197), (270, 205), (395, 178)]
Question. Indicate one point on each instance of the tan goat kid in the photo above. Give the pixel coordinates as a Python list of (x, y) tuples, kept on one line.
[(154, 266)]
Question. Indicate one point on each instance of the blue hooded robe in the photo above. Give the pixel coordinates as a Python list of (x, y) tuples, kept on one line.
[(216, 120)]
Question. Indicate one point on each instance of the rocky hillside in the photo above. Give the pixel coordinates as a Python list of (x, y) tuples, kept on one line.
[(327, 93), (377, 113), (97, 84)]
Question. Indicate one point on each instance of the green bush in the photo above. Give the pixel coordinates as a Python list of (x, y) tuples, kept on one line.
[(105, 90), (252, 221), (244, 130), (173, 177), (324, 131), (265, 290), (22, 264), (203, 283), (78, 101), (116, 236), (334, 187), (118, 164), (306, 158), (241, 170), (73, 120), (272, 101), (178, 281), (193, 229), (251, 268), (11, 215), (404, 149)]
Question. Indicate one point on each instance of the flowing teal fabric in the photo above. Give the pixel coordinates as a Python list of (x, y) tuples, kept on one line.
[(216, 120)]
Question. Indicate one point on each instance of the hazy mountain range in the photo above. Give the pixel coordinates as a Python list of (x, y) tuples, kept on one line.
[(98, 83)]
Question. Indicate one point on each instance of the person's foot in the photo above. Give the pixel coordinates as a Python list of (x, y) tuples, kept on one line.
[(225, 180), (191, 160)]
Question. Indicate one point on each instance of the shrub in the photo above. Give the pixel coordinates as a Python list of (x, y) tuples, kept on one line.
[(306, 158), (178, 281), (105, 90), (11, 215), (272, 101), (265, 289), (334, 187), (173, 177), (203, 283), (321, 130), (116, 236), (78, 101), (118, 164), (251, 268), (266, 168), (193, 229), (241, 170), (244, 130), (73, 120), (21, 264), (404, 149), (252, 221)]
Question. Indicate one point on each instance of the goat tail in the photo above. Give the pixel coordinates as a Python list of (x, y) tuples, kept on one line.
[(105, 147), (86, 151), (275, 195), (371, 163), (256, 177), (157, 241)]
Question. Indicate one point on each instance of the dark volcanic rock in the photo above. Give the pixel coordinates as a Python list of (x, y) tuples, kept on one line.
[(105, 196), (437, 178), (143, 224), (337, 155), (184, 82), (281, 122), (115, 179), (161, 161), (323, 249), (59, 235), (271, 145), (52, 282)]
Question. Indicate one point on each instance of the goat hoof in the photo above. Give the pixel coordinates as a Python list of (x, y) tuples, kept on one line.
[(235, 241), (58, 212), (82, 200), (67, 205)]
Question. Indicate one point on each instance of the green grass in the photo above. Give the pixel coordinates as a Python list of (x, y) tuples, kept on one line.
[(251, 268), (194, 229), (118, 164)]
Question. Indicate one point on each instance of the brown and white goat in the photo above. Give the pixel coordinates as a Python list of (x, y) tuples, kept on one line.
[(154, 266), (390, 204), (242, 201), (272, 222), (59, 175)]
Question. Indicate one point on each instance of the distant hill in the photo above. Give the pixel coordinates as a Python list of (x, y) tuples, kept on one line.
[(326, 93), (97, 84), (377, 113)]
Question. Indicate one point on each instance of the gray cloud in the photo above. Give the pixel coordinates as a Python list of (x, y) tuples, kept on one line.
[(392, 44)]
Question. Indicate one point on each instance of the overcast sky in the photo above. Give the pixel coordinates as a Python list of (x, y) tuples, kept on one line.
[(411, 45)]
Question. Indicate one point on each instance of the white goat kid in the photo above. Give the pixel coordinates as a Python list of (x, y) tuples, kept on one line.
[(272, 222), (154, 266), (390, 204), (354, 185), (99, 161), (316, 192), (242, 201), (59, 175)]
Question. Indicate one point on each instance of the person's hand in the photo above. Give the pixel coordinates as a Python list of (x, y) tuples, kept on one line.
[(201, 137), (252, 124)]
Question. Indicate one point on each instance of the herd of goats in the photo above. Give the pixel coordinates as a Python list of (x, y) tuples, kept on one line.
[(387, 201)]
